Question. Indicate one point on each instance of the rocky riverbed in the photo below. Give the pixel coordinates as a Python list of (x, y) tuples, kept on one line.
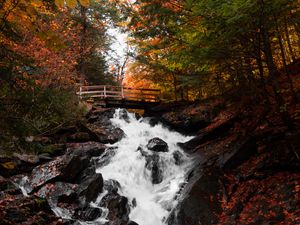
[(246, 170)]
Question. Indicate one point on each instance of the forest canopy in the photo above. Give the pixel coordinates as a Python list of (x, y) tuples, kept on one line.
[(48, 48), (189, 49)]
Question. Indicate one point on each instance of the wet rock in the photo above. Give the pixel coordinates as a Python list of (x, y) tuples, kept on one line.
[(101, 116), (118, 208), (112, 186), (123, 114), (87, 213), (153, 121), (79, 137), (65, 168), (186, 122), (106, 135), (59, 192), (33, 159), (90, 149), (87, 172), (153, 164), (157, 145), (133, 203), (178, 157), (90, 188), (100, 127), (218, 129), (137, 116), (200, 206), (106, 157)]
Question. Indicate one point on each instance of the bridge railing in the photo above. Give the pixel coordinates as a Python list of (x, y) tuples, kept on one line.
[(119, 93)]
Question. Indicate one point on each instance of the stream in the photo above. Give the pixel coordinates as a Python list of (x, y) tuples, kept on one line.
[(139, 178), (153, 202)]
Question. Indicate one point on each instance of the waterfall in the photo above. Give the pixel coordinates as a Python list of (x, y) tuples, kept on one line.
[(152, 203)]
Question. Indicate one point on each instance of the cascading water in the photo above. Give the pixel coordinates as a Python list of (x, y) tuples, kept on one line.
[(146, 179), (128, 165)]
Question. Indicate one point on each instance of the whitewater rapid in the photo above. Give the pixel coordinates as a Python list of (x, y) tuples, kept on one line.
[(154, 202)]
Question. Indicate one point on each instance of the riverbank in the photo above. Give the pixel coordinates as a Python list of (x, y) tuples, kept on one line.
[(248, 167), (246, 172)]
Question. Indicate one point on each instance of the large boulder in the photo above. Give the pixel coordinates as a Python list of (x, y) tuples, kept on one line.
[(106, 135), (59, 192), (117, 205), (90, 188), (186, 122), (157, 145), (200, 205), (101, 116), (90, 149), (65, 168), (118, 208), (100, 128)]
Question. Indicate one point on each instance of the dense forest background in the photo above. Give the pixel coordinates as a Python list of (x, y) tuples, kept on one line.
[(192, 50)]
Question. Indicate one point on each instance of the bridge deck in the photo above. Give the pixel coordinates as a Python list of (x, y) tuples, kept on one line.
[(119, 96)]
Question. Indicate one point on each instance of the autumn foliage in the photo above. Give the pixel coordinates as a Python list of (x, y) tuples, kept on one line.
[(48, 48)]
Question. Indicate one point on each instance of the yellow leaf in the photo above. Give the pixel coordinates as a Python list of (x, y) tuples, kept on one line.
[(8, 165), (71, 3), (60, 3), (85, 3)]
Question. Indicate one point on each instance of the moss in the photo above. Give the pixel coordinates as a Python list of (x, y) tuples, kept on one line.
[(41, 202)]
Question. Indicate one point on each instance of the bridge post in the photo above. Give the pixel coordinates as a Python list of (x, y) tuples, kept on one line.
[(80, 90), (122, 92), (104, 91)]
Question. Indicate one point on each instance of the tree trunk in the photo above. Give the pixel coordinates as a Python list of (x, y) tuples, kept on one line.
[(175, 86), (287, 34), (285, 64), (281, 105), (83, 11)]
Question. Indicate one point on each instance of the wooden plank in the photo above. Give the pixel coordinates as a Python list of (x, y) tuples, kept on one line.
[(124, 95)]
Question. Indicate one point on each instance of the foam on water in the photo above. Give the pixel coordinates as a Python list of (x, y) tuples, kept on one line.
[(154, 202)]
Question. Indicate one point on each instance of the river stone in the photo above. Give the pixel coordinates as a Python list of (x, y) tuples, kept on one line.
[(118, 208), (157, 145), (112, 186), (87, 213), (33, 159), (152, 164), (58, 190), (178, 157), (90, 188), (101, 116), (91, 149), (65, 168), (106, 135)]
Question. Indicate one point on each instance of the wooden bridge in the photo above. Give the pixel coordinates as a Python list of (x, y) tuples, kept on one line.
[(119, 96)]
